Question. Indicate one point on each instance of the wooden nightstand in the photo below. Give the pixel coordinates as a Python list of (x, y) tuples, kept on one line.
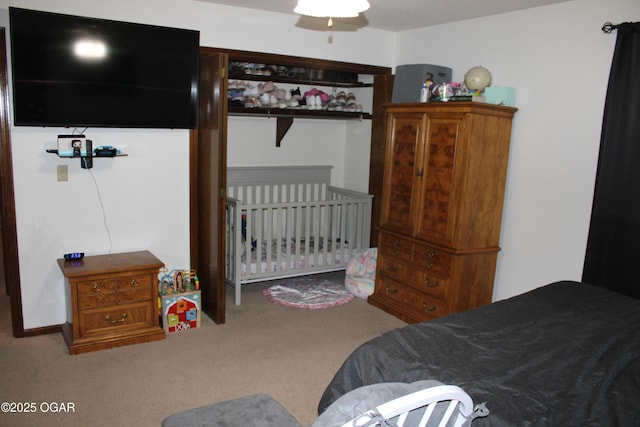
[(112, 301)]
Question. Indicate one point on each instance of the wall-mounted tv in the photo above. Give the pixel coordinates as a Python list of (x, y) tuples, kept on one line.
[(73, 71)]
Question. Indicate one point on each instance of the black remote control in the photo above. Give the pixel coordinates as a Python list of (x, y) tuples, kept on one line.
[(74, 255)]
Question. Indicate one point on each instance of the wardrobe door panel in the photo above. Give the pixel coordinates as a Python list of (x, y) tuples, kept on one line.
[(436, 218), (403, 168)]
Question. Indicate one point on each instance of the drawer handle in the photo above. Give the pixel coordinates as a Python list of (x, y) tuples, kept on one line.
[(430, 265), (431, 284), (391, 291), (392, 267), (116, 321), (427, 308), (432, 253), (96, 287), (396, 252), (134, 283), (395, 242)]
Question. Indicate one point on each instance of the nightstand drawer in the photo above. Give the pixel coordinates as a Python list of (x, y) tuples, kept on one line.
[(132, 289), (134, 282), (115, 319), (133, 295), (105, 292), (96, 293), (96, 287)]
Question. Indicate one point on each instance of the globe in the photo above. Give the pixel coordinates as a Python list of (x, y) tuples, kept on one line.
[(477, 78)]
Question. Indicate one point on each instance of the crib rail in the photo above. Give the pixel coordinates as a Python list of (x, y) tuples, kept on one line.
[(280, 184), (292, 232)]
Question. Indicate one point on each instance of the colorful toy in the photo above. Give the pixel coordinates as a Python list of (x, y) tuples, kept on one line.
[(181, 312), (178, 281)]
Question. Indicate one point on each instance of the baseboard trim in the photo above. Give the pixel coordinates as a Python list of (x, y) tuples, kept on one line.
[(53, 329)]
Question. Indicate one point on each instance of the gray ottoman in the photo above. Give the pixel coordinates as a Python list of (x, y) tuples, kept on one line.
[(258, 410)]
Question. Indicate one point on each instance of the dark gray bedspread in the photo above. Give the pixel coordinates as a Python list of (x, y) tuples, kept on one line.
[(565, 354)]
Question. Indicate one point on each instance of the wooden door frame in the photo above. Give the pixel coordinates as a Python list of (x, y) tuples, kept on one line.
[(382, 93), (207, 184), (8, 213)]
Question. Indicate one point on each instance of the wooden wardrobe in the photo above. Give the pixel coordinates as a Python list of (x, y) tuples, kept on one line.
[(442, 199)]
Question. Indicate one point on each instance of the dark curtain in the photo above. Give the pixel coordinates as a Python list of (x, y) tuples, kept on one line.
[(612, 257)]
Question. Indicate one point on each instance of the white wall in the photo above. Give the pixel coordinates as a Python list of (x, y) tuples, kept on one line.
[(558, 60), (145, 195)]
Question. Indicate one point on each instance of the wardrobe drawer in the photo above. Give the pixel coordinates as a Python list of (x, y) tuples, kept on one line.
[(414, 276), (397, 247), (432, 284), (425, 254), (432, 259), (396, 268), (423, 304)]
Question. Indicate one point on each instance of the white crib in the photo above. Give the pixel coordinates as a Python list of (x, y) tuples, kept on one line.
[(285, 221)]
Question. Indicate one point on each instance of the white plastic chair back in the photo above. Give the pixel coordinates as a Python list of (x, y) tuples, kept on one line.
[(459, 407)]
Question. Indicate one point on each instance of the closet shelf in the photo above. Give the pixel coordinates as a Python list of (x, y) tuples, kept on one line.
[(285, 116), (299, 113), (298, 80)]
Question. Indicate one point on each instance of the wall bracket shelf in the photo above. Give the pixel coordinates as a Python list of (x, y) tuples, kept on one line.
[(86, 162)]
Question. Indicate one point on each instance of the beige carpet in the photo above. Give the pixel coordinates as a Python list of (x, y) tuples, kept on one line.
[(289, 353)]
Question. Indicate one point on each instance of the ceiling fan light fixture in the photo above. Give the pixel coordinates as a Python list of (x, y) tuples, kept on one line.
[(331, 8)]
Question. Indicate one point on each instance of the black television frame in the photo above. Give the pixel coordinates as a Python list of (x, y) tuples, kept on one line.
[(149, 79)]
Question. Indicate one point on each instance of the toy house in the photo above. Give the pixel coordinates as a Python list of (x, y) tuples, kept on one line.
[(181, 312)]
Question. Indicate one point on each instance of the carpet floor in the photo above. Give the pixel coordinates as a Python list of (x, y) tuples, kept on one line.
[(286, 352)]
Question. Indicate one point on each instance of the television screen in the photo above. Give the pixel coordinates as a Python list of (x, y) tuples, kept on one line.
[(73, 71)]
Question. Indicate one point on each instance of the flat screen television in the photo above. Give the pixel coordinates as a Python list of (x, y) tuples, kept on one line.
[(73, 71)]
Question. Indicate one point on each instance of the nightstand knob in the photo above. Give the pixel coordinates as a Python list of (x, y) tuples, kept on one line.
[(96, 287), (133, 283)]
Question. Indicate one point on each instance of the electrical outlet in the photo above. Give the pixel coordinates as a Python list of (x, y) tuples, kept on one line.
[(63, 173)]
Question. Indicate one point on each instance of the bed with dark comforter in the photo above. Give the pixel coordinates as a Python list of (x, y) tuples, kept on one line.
[(565, 354)]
